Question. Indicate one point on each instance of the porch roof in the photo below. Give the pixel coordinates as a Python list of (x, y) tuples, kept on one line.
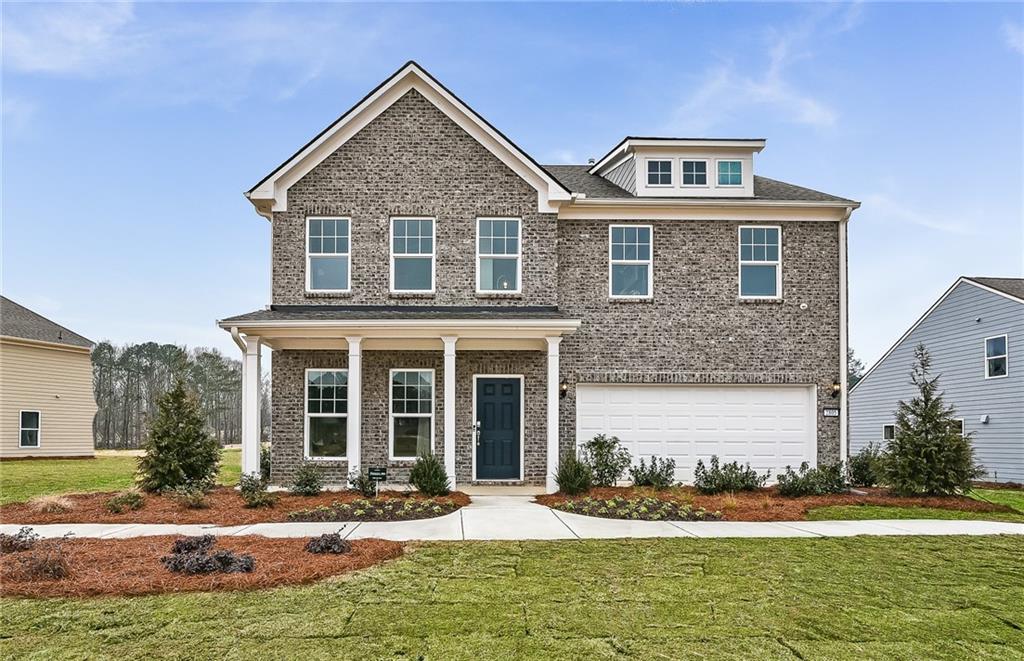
[(375, 312)]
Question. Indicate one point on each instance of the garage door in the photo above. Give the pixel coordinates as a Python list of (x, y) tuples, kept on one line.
[(770, 426)]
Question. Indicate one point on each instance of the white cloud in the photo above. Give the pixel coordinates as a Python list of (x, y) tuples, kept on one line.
[(1014, 35), (883, 207)]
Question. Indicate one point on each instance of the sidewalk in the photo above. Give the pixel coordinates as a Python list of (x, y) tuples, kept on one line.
[(518, 518)]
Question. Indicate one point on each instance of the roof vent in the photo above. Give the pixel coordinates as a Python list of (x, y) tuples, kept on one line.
[(590, 161)]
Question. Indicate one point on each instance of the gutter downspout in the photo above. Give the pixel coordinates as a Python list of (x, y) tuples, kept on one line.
[(237, 337), (844, 443)]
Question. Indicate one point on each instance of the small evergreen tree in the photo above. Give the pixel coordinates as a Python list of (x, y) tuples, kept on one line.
[(929, 455), (178, 448)]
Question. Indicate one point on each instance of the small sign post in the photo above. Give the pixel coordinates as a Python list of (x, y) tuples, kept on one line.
[(378, 474), (830, 412)]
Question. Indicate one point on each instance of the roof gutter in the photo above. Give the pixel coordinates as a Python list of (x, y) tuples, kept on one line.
[(707, 202)]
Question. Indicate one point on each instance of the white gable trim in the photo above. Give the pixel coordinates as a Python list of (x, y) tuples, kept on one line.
[(961, 280), (271, 194)]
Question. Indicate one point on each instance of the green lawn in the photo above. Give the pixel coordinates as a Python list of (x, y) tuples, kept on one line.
[(1010, 497), (839, 598), (109, 471), (862, 512)]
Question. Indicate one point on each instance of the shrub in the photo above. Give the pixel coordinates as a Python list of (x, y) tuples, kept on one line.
[(812, 481), (51, 504), (637, 509), (44, 560), (332, 542), (361, 482), (661, 474), (23, 540), (200, 543), (928, 456), (265, 461), (192, 495), (429, 477), (125, 501), (178, 449), (727, 477), (863, 466), (309, 479), (607, 459), (253, 489), (191, 555), (573, 476)]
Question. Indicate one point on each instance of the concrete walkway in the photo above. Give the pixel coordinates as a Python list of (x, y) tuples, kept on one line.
[(518, 518)]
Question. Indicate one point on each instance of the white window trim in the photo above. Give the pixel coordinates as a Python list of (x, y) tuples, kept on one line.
[(392, 415), (963, 427), (707, 174), (740, 263), (307, 415), (522, 422), (1006, 355), (648, 262), (671, 172), (38, 430), (310, 255), (886, 440), (730, 160), (432, 255), (518, 257)]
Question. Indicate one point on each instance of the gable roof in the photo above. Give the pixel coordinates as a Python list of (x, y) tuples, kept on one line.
[(1013, 287), (271, 193), (20, 322)]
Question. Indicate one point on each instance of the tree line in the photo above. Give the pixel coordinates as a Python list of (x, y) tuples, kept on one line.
[(128, 380)]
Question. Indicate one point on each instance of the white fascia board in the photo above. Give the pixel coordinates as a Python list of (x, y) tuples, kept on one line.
[(704, 209), (370, 328), (628, 145)]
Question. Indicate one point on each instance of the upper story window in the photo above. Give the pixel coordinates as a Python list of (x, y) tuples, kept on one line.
[(695, 173), (326, 414), (412, 255), (760, 262), (412, 413), (328, 262), (888, 432), (630, 261), (498, 255), (29, 431), (995, 357), (730, 173), (957, 425), (659, 173)]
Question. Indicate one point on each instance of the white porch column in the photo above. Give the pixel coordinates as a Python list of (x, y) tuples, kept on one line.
[(449, 407), (553, 354), (251, 406), (355, 403)]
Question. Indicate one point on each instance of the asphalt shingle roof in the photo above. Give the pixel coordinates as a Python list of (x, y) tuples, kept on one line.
[(371, 312), (18, 321), (1011, 286)]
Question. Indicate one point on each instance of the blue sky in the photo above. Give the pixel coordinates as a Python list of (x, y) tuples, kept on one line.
[(130, 132)]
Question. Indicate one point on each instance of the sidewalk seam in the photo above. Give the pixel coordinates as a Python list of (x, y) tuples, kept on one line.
[(675, 524), (564, 523)]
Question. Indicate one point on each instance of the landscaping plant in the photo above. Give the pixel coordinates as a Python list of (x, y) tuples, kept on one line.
[(429, 477), (23, 540), (660, 474), (192, 495), (265, 461), (331, 542), (125, 501), (191, 555), (607, 459), (863, 466), (928, 456), (178, 449), (361, 482), (43, 560), (51, 504), (253, 490), (727, 477), (637, 509), (378, 509), (573, 476), (812, 481), (309, 479)]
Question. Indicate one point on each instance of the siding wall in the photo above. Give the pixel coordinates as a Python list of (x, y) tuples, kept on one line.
[(58, 384), (955, 339), (624, 176)]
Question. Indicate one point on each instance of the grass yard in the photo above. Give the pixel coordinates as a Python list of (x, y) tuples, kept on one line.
[(109, 471), (866, 512), (1010, 497), (840, 598)]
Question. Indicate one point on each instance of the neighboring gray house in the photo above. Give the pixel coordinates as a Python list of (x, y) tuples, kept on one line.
[(435, 289), (974, 334)]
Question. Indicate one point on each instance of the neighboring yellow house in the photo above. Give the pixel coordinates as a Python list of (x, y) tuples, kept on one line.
[(46, 397)]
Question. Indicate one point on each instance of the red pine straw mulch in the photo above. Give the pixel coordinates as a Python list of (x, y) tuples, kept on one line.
[(226, 508), (767, 505), (128, 567)]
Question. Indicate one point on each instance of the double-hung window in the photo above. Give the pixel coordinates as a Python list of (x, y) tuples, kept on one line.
[(695, 173), (730, 173), (328, 260), (412, 255), (630, 261), (760, 262), (957, 425), (498, 246), (995, 357), (659, 173), (888, 433), (412, 413), (326, 414), (28, 436)]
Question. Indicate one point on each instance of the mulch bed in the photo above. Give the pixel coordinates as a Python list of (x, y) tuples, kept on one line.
[(767, 505), (121, 567), (380, 509), (226, 508)]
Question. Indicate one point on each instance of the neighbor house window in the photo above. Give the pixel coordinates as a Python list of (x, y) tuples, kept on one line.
[(888, 432), (760, 262), (326, 414), (498, 247), (730, 173), (695, 173), (957, 425), (659, 173), (412, 255), (412, 413), (995, 356), (29, 433), (630, 261), (327, 254)]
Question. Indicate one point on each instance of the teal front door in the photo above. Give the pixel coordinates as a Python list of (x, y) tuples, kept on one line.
[(498, 427)]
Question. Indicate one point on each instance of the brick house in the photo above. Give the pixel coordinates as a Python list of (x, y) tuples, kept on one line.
[(436, 289)]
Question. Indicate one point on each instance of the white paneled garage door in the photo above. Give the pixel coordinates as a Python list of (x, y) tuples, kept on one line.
[(769, 426)]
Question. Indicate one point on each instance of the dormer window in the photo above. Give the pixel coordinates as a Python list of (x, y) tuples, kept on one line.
[(659, 173), (695, 173), (730, 173)]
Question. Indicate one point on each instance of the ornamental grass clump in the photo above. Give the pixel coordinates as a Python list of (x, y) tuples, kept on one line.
[(51, 504), (573, 476), (726, 477)]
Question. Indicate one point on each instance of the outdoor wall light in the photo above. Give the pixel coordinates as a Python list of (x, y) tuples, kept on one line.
[(836, 389), (563, 389)]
